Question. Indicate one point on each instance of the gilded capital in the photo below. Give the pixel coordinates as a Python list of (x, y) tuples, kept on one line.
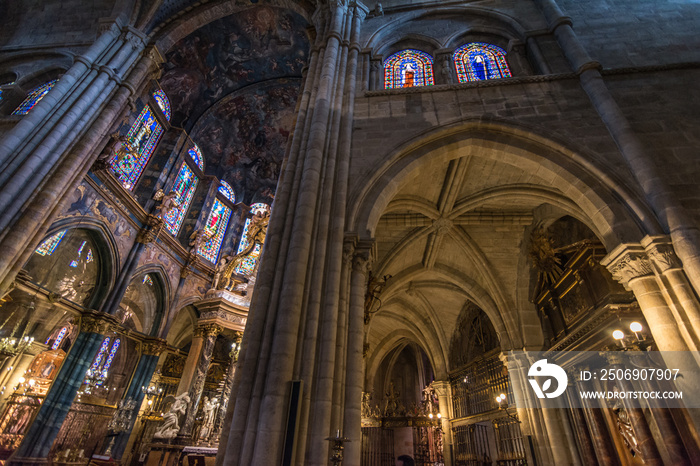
[(207, 330)]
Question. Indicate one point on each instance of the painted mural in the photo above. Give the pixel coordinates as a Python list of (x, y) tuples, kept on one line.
[(254, 45), (244, 137)]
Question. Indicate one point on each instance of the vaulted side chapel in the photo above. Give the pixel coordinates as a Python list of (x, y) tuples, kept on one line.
[(274, 232)]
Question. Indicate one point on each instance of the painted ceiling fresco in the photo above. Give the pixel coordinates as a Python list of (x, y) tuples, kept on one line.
[(244, 137), (228, 54)]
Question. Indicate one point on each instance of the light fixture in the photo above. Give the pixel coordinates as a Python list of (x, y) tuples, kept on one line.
[(638, 342), (618, 335), (636, 327)]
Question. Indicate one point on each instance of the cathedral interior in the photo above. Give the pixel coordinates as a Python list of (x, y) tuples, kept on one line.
[(315, 232)]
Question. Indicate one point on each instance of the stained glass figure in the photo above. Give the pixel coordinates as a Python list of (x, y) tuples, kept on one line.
[(49, 245), (59, 338), (478, 61), (227, 191), (163, 102), (185, 185), (247, 267), (196, 155), (34, 97), (215, 229), (130, 160), (408, 68)]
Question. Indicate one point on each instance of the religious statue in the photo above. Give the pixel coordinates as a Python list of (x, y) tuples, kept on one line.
[(196, 239), (624, 426), (171, 419), (391, 404), (117, 145), (257, 229), (220, 267), (168, 202), (429, 400), (209, 409)]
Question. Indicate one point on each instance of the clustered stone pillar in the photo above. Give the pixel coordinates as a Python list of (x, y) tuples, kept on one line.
[(43, 431), (151, 350), (604, 449), (295, 320), (57, 142), (208, 334), (443, 391)]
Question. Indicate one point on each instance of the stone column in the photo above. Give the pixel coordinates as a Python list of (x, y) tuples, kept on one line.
[(43, 431), (578, 418), (17, 243), (604, 449), (443, 391), (645, 441), (208, 332), (151, 350), (355, 375), (376, 75)]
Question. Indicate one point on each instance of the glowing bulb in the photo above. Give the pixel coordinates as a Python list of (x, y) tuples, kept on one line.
[(636, 327), (150, 402), (22, 380), (503, 397), (498, 399), (618, 334), (430, 415), (32, 382), (439, 415)]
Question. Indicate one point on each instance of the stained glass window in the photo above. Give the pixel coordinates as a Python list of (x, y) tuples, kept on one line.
[(147, 280), (110, 358), (408, 68), (97, 362), (102, 362), (196, 155), (59, 338), (130, 160), (215, 229), (227, 191), (185, 185), (49, 245), (248, 265), (34, 97), (478, 61), (163, 103)]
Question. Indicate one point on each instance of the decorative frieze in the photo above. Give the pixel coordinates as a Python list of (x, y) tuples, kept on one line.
[(153, 347)]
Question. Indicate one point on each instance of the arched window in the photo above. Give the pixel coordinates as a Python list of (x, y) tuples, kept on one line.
[(226, 190), (141, 140), (34, 97), (478, 61), (184, 187), (163, 102), (97, 373), (247, 267), (216, 225), (59, 338), (408, 68)]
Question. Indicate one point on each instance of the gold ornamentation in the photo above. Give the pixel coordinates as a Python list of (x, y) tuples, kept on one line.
[(97, 323), (153, 347), (206, 330), (257, 230)]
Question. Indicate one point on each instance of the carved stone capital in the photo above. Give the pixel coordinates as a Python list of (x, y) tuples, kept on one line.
[(442, 387), (660, 251), (150, 231), (207, 330), (97, 322), (154, 347), (627, 262)]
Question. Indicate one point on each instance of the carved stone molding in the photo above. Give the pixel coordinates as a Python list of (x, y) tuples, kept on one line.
[(97, 322), (662, 254), (627, 262), (442, 225), (153, 347), (150, 232)]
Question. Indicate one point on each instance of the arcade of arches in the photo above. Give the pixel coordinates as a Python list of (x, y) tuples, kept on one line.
[(329, 232)]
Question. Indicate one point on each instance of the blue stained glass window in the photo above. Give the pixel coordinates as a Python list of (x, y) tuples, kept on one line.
[(59, 338), (215, 229), (408, 68), (142, 138), (196, 155), (185, 185), (227, 191), (479, 61), (34, 98), (49, 245), (110, 358), (163, 102)]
